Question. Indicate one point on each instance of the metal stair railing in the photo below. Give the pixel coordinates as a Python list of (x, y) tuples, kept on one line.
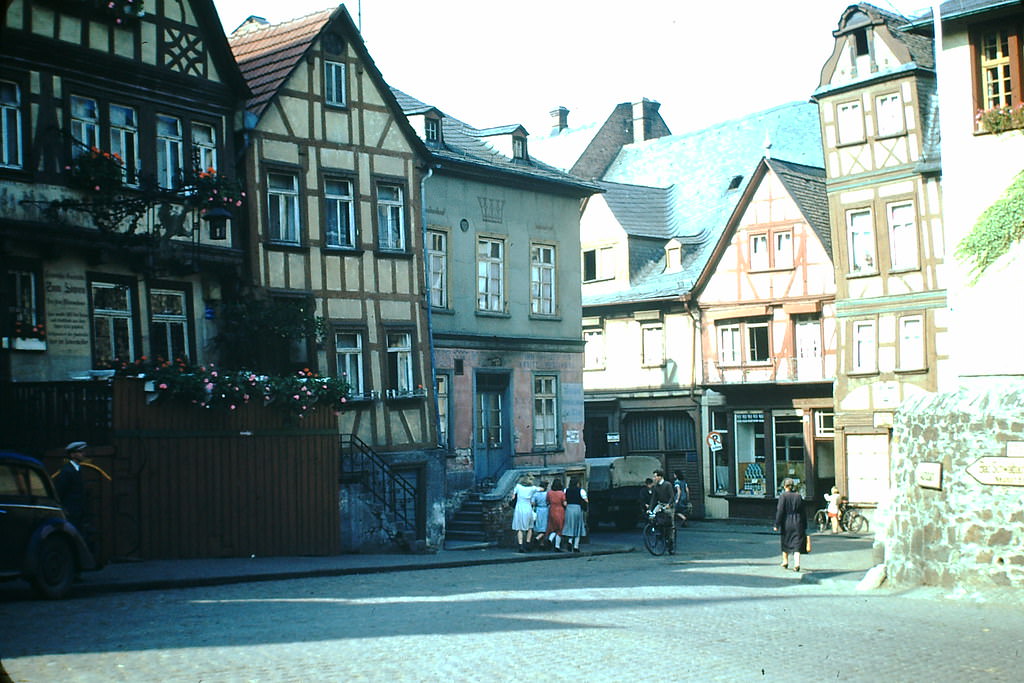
[(387, 487)]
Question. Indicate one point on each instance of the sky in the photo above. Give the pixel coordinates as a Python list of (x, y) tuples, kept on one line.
[(489, 63)]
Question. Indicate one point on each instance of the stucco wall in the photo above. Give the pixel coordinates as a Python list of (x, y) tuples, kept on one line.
[(968, 535)]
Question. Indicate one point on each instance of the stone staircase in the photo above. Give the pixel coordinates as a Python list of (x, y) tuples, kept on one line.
[(467, 524)]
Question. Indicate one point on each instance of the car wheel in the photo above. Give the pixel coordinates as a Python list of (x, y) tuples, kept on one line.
[(55, 571)]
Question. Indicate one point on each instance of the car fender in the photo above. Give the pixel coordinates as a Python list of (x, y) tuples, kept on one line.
[(83, 557)]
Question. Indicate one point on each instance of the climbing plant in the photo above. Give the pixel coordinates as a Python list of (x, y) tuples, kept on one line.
[(998, 228)]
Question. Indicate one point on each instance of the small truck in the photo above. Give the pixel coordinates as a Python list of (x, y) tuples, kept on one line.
[(615, 488)]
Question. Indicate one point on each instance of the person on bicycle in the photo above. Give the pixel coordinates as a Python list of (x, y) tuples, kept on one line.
[(833, 500), (663, 494)]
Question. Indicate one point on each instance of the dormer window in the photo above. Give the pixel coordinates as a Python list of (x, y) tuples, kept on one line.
[(734, 182), (519, 148), (432, 131)]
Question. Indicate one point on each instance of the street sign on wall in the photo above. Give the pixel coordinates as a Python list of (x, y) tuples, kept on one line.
[(996, 471)]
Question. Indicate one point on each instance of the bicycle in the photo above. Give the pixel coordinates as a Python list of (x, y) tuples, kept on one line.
[(850, 519), (658, 535)]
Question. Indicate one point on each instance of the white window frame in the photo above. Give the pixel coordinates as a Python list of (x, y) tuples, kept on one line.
[(437, 262), (759, 258), (594, 357), (604, 265), (490, 274), (782, 249), (124, 140), (849, 122), (912, 343), (85, 122), (545, 412), (652, 344), (750, 329), (167, 322), (169, 151), (730, 344), (115, 317), (864, 346), (824, 423), (542, 279), (903, 241), (519, 147), (283, 225), (442, 390), (390, 217), (860, 231), (204, 145), (335, 86), (400, 371), (11, 136), (432, 130), (995, 73), (889, 115), (339, 207), (348, 359)]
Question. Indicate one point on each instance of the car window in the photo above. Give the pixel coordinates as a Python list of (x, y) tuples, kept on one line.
[(8, 482), (37, 487)]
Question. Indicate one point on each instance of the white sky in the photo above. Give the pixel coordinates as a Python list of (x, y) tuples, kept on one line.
[(491, 63)]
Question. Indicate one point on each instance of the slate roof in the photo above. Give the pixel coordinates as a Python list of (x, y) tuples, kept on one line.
[(958, 9), (806, 185), (464, 144), (564, 148), (641, 210), (694, 171), (267, 53)]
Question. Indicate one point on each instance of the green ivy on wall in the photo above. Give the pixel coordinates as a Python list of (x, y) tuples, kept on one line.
[(998, 228)]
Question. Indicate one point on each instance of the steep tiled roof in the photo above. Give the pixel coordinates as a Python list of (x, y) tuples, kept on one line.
[(467, 145), (640, 210), (267, 53), (920, 47), (806, 185)]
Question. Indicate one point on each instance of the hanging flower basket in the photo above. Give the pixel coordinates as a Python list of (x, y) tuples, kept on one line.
[(96, 172), (212, 190)]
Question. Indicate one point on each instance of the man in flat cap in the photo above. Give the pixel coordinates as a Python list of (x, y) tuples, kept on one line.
[(70, 484)]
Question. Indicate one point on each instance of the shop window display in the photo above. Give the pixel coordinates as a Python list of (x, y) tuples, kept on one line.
[(750, 453)]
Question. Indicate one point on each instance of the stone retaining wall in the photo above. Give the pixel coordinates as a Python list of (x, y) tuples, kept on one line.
[(967, 534)]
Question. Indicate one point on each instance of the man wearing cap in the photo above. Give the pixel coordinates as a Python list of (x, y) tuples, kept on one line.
[(70, 484)]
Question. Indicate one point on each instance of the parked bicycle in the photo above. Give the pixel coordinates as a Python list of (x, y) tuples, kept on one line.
[(658, 533), (850, 519)]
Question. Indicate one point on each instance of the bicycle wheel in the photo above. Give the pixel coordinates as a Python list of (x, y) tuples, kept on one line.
[(845, 517), (857, 523), (821, 520), (654, 540)]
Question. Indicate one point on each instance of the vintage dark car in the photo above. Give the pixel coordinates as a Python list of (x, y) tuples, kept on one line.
[(37, 542)]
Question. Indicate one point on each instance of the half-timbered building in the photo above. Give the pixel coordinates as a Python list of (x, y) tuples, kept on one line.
[(880, 132)]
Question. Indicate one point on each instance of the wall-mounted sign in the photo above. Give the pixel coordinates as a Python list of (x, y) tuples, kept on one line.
[(572, 436), (613, 437), (998, 471), (928, 475), (714, 441)]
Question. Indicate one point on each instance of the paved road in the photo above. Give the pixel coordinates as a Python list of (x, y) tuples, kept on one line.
[(718, 611)]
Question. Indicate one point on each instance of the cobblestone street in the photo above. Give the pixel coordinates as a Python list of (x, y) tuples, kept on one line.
[(722, 610)]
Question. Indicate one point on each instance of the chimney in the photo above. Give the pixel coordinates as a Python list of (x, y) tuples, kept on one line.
[(560, 120), (644, 113)]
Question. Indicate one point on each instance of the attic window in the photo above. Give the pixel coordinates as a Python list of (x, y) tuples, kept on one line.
[(734, 183), (519, 148), (860, 38), (432, 131)]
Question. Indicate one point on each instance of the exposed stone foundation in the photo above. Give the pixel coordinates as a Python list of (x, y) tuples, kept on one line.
[(968, 535)]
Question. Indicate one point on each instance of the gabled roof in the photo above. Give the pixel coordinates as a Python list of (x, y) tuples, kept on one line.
[(806, 185), (227, 67), (465, 148), (501, 130)]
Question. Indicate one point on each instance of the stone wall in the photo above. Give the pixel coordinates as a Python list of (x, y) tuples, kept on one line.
[(967, 534)]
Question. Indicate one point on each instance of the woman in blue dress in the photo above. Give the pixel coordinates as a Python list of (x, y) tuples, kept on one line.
[(540, 508)]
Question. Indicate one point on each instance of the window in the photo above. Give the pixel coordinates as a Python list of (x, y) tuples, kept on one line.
[(652, 344), (204, 145), (759, 252), (432, 131), (339, 212), (85, 122), (757, 343), (824, 423), (437, 262), (750, 453), (850, 120), (283, 208), (861, 241), (519, 147), (888, 115), (729, 344), (168, 324), (911, 343), (593, 350), (545, 411), (124, 140), (390, 217), (863, 348), (334, 84), (400, 362), (783, 249), (24, 286), (999, 62), (113, 325), (490, 276), (168, 151), (542, 279), (443, 393), (902, 236), (10, 125), (789, 451), (348, 356), (598, 265)]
